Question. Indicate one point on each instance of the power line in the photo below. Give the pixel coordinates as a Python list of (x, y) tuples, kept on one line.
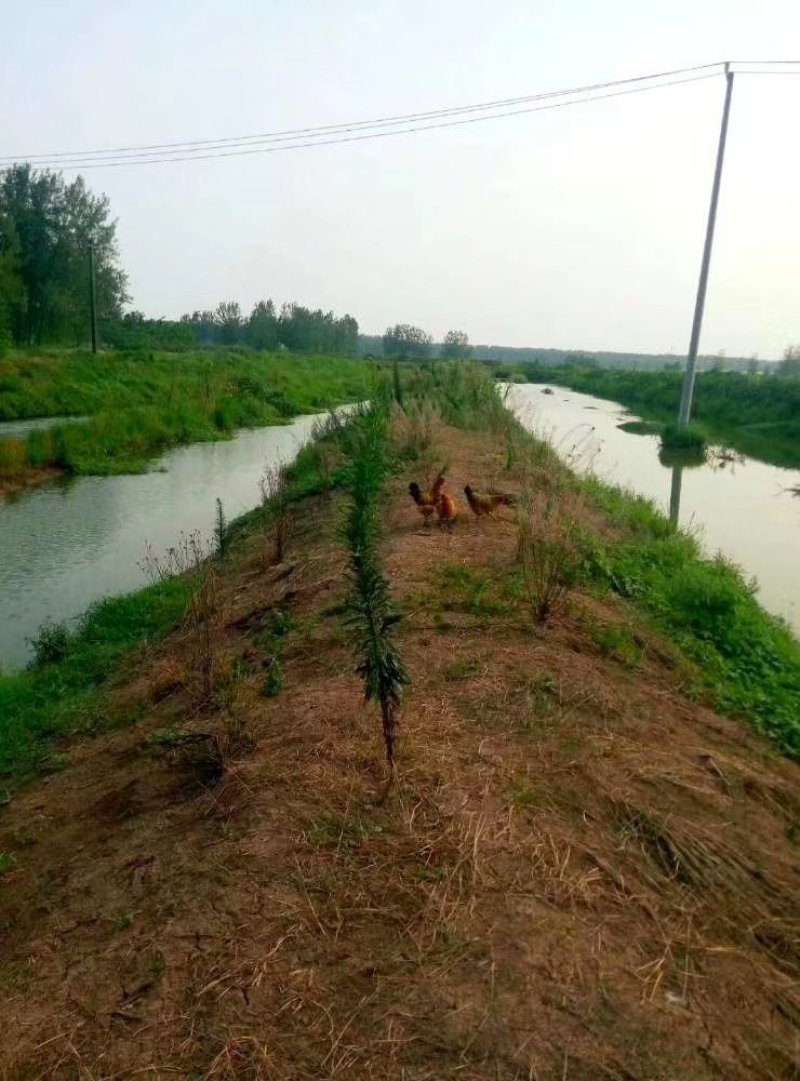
[(295, 133), (378, 134), (381, 127)]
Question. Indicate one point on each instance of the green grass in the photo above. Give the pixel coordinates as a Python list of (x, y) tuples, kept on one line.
[(755, 414), (139, 405), (748, 661), (66, 692), (689, 437)]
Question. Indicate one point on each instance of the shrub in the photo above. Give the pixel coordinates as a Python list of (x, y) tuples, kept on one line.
[(50, 644), (689, 437)]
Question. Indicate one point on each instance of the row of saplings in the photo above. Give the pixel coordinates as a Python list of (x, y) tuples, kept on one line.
[(546, 560)]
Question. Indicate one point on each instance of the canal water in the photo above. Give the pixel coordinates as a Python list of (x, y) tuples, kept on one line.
[(67, 544), (738, 506)]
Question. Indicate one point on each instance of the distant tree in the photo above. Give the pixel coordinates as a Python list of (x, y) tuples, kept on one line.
[(262, 327), (456, 344), (228, 320), (204, 325), (790, 365), (405, 339), (48, 226)]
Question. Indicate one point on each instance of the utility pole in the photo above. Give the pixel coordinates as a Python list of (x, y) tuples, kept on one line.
[(699, 304), (92, 297)]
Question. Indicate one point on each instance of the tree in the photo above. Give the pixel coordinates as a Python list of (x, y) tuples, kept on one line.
[(790, 365), (407, 340), (262, 327), (456, 344), (228, 320), (48, 227)]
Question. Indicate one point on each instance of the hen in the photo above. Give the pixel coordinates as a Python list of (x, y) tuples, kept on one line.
[(426, 501), (487, 504)]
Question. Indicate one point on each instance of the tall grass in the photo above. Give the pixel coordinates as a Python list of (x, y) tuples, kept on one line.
[(61, 695), (140, 405)]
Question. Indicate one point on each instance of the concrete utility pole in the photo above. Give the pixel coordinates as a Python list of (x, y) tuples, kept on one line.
[(699, 304), (92, 298)]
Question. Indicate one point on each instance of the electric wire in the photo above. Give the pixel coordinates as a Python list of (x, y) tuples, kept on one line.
[(351, 138)]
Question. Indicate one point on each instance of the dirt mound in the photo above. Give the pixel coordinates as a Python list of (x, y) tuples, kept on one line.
[(581, 874)]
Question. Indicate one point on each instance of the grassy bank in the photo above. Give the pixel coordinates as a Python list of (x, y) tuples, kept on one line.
[(138, 405), (757, 415), (744, 662)]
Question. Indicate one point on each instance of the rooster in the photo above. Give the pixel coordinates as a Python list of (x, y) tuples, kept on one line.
[(427, 501), (487, 504), (447, 511)]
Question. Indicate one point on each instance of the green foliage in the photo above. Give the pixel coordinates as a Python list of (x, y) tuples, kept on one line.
[(749, 661), (54, 699), (406, 340), (790, 365), (8, 861), (222, 534), (456, 345), (371, 615), (689, 437), (139, 406), (756, 414), (49, 226), (272, 684), (296, 328), (50, 644)]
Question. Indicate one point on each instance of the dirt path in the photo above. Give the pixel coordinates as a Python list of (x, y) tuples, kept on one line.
[(582, 874)]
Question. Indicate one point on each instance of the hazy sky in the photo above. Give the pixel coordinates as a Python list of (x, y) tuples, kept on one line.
[(578, 227)]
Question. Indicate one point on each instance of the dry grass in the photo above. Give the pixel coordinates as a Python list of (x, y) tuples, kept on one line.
[(581, 874)]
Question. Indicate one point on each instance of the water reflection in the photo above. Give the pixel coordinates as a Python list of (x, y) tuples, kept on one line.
[(740, 506), (63, 546)]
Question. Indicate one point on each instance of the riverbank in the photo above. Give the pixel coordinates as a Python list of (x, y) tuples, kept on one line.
[(137, 405), (756, 415), (582, 870)]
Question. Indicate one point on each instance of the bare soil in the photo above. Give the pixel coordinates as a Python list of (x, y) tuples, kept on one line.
[(581, 873)]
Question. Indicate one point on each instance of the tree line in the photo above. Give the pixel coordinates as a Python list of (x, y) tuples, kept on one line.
[(49, 226)]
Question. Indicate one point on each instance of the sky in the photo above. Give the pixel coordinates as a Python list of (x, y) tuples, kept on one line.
[(571, 228)]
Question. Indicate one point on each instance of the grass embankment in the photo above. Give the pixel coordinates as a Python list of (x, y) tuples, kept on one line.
[(138, 405), (583, 871), (755, 414)]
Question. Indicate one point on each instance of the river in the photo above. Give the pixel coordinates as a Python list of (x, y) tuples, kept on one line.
[(736, 505), (67, 544)]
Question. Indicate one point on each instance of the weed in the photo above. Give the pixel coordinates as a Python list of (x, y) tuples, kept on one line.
[(272, 684), (8, 861), (275, 496), (547, 553), (222, 534), (50, 644), (523, 796), (617, 640), (461, 670)]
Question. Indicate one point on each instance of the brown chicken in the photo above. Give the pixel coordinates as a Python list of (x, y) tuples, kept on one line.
[(447, 511), (487, 504), (426, 501)]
